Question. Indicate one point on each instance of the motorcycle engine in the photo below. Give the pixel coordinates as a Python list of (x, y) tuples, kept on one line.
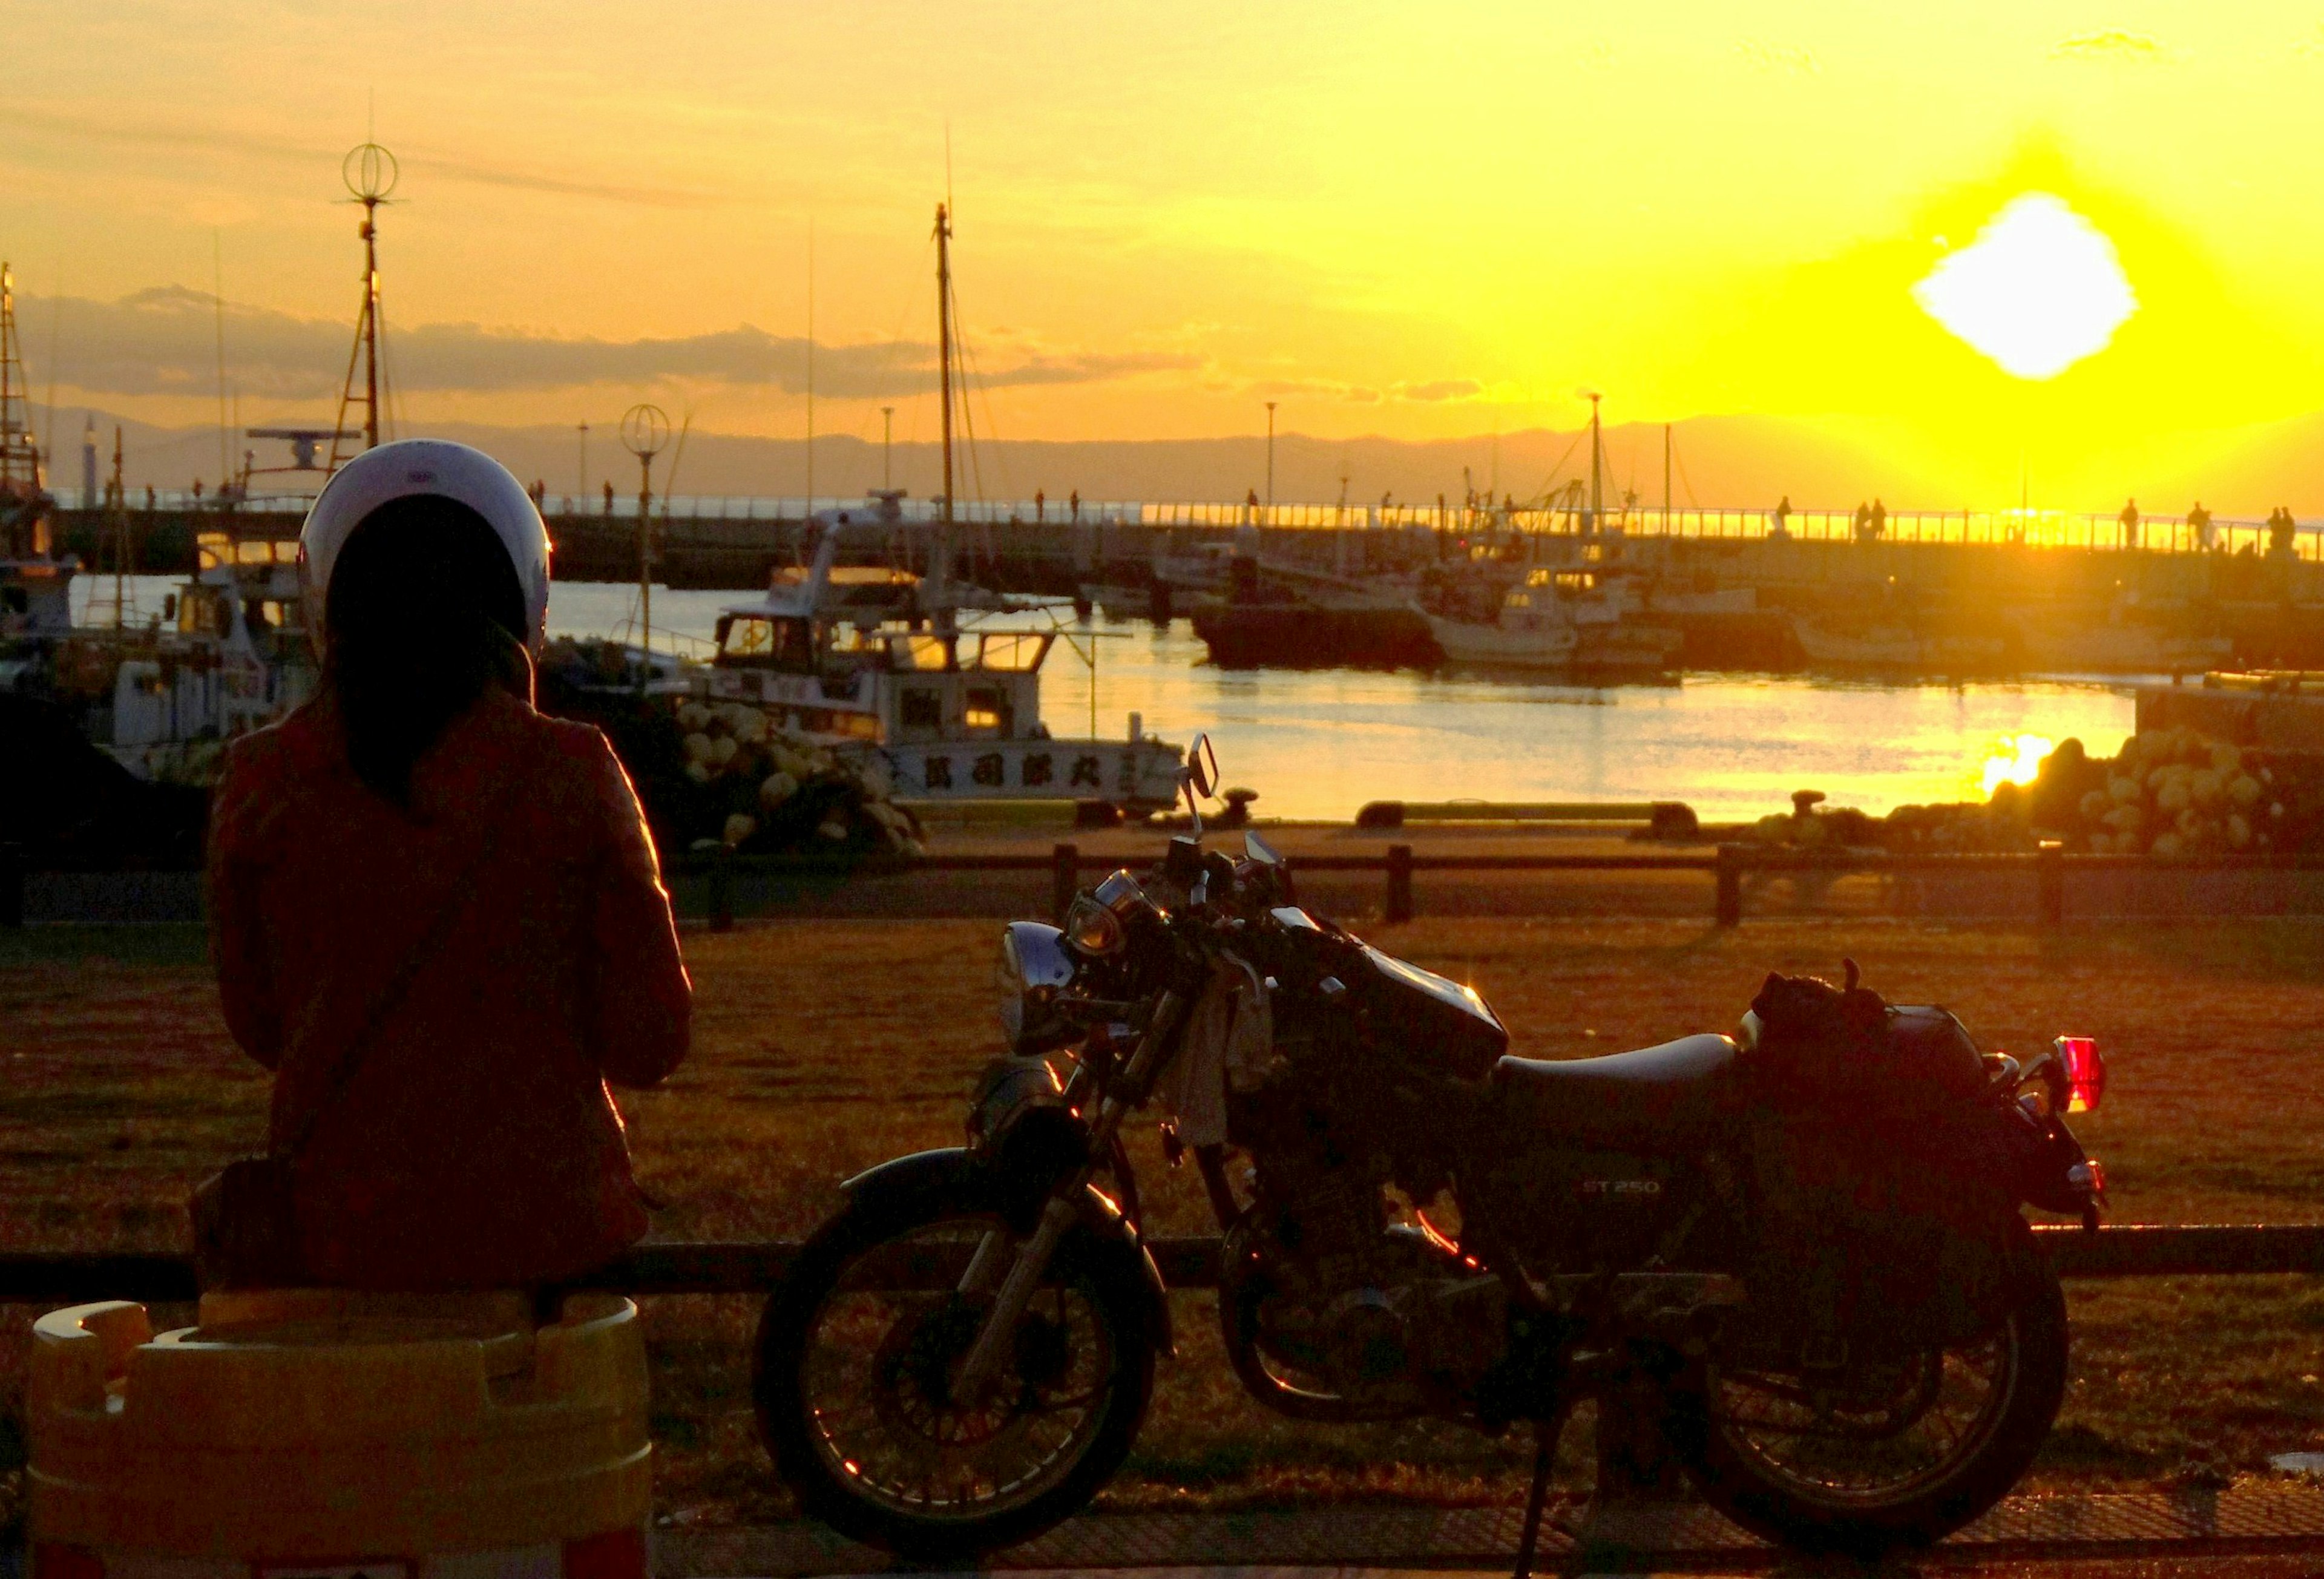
[(1332, 1310)]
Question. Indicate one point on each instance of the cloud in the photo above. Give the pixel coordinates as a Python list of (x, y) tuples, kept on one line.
[(2109, 44), (163, 341), (1328, 389), (1442, 388)]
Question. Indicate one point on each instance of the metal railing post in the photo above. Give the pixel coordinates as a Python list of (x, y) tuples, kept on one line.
[(1726, 908), (1065, 880), (1399, 884)]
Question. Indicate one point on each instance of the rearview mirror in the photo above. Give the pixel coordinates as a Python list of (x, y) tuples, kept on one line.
[(1259, 850), (1202, 767)]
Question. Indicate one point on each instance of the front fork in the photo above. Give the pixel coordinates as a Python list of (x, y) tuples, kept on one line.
[(1017, 1278)]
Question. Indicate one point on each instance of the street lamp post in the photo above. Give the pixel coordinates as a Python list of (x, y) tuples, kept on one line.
[(581, 478), (644, 431), (886, 447), (1270, 458)]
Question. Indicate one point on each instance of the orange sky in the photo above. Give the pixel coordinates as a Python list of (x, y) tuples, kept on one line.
[(1414, 221)]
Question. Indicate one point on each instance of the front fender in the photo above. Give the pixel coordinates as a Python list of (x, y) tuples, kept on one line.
[(945, 1176)]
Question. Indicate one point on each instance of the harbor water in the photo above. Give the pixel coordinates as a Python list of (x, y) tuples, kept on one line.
[(1319, 744)]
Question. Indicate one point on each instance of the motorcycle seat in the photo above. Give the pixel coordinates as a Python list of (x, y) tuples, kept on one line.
[(1654, 1098)]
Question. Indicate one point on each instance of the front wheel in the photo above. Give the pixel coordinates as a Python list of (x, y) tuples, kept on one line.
[(1878, 1454), (856, 1354)]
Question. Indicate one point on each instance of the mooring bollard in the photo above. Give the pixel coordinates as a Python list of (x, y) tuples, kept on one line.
[(1728, 908), (1065, 880), (1399, 884), (2050, 882)]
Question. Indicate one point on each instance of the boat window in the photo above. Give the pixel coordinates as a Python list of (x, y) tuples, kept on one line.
[(1013, 652), (989, 711), (922, 710), (1519, 600), (929, 654), (749, 642)]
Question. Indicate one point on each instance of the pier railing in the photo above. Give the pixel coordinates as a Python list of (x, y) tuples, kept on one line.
[(2092, 531), (1731, 869)]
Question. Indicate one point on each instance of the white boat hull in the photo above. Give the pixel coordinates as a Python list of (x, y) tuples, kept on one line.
[(1142, 772), (1465, 642)]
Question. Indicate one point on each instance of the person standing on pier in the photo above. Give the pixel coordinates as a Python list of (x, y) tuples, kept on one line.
[(2200, 528), (1879, 519), (1040, 505), (1074, 503), (2131, 536), (1781, 531), (1863, 523)]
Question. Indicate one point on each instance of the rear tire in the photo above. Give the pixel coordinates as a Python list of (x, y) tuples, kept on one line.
[(1744, 1482), (1100, 1341)]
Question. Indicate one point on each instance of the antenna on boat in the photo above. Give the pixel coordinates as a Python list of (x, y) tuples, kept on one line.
[(1597, 463), (943, 567), (370, 173), (810, 367)]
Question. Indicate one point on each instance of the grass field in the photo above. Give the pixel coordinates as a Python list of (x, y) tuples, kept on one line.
[(823, 1047)]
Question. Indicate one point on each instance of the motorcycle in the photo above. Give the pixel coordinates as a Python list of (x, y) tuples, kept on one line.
[(1800, 1251)]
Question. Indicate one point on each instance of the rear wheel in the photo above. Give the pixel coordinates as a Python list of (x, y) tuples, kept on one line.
[(1869, 1456), (856, 1357)]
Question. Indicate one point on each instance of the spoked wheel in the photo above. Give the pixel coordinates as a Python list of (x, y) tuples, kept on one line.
[(857, 1359), (1898, 1451)]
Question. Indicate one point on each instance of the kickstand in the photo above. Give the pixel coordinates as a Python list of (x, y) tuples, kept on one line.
[(1545, 1434)]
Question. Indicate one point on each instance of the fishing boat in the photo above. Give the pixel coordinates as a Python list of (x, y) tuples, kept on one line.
[(227, 652), (1281, 615), (877, 661), (1121, 601), (1582, 617), (1884, 642)]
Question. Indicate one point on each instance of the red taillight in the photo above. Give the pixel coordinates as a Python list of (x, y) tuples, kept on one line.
[(2085, 1071), (55, 1560), (617, 1553)]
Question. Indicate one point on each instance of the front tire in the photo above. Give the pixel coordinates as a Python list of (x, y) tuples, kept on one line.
[(852, 1383), (1815, 1489)]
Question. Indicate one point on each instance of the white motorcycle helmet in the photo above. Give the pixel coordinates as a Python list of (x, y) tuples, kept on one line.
[(425, 465)]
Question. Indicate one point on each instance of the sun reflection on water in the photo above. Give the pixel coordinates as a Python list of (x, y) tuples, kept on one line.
[(2016, 758)]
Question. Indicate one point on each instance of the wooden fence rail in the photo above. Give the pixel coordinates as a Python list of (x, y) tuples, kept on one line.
[(749, 1267), (1728, 867)]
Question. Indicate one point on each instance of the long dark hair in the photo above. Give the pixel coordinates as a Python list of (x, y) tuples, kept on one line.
[(424, 612)]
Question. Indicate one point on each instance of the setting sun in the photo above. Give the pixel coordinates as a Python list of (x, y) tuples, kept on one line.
[(2039, 289)]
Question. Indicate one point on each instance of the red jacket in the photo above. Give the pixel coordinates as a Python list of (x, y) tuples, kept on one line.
[(477, 1145)]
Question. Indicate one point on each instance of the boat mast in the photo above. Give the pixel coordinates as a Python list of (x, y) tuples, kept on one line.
[(370, 174), (1597, 500), (943, 567)]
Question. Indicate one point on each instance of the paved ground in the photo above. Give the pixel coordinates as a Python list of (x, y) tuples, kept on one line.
[(2250, 1532)]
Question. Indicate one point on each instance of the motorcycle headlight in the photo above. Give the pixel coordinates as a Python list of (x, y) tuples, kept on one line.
[(1093, 929), (1033, 970)]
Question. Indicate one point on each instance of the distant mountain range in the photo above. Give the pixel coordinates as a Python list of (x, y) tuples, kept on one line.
[(1743, 462)]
